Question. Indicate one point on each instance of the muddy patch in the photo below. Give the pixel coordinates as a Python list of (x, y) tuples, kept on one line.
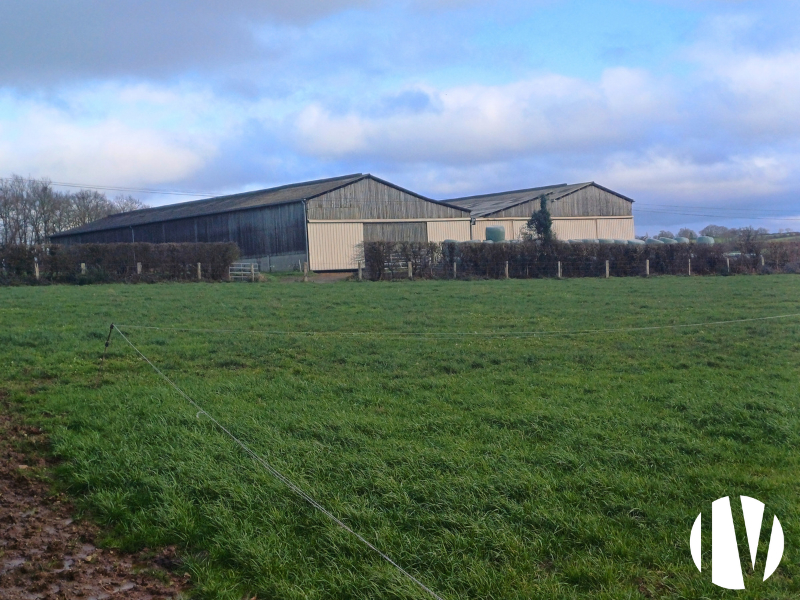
[(45, 554)]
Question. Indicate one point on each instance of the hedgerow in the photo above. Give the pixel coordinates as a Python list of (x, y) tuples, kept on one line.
[(115, 262)]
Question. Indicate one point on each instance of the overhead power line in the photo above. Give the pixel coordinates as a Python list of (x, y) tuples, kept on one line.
[(717, 216), (715, 208), (117, 188)]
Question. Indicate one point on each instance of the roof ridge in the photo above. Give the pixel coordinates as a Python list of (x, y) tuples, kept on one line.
[(203, 204), (533, 189), (225, 196), (249, 193)]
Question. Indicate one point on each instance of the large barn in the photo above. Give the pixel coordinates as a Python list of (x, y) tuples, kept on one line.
[(325, 221)]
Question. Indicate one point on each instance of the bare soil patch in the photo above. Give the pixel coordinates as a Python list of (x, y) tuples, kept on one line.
[(45, 554)]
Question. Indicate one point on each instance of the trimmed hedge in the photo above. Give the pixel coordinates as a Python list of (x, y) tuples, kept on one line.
[(115, 262), (389, 260)]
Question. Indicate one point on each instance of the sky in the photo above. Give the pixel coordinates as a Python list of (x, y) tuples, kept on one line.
[(691, 108)]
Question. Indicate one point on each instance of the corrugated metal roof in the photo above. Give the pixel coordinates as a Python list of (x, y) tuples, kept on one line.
[(220, 204), (487, 204)]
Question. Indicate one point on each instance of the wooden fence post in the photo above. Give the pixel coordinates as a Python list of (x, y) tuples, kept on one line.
[(762, 260), (83, 268), (360, 275), (138, 268), (410, 271), (690, 266), (252, 271), (559, 269), (36, 268), (647, 267), (607, 270), (506, 269), (305, 271), (728, 261), (199, 272), (454, 270)]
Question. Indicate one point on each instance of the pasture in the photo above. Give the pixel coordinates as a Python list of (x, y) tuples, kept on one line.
[(488, 463)]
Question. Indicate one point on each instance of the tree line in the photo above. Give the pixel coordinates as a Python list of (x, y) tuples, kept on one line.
[(715, 231), (31, 210)]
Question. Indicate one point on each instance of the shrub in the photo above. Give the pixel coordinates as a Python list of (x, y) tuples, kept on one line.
[(532, 258), (115, 262)]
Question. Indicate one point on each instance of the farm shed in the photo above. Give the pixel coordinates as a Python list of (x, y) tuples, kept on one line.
[(582, 210), (325, 221), (321, 221)]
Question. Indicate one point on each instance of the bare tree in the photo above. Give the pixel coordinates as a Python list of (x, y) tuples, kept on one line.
[(13, 211), (687, 233), (88, 206), (716, 231), (31, 210), (127, 204)]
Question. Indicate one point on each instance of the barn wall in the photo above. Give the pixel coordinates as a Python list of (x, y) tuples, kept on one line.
[(259, 232), (575, 229), (618, 229), (396, 232), (369, 199), (590, 201), (439, 231), (335, 246)]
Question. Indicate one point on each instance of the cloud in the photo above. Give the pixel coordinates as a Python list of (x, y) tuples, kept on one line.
[(71, 143), (473, 124), (665, 174), (45, 42)]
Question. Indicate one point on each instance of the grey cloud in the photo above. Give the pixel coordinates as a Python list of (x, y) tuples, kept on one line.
[(45, 41)]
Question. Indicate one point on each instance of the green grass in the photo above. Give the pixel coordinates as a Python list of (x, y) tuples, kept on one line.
[(565, 466)]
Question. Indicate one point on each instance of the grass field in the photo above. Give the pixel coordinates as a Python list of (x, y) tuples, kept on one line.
[(553, 466)]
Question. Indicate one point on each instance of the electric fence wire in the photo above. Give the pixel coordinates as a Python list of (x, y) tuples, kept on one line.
[(456, 334), (277, 474)]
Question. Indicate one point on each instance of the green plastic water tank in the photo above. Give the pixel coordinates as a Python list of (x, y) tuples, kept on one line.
[(705, 239), (450, 242), (621, 242), (488, 241), (682, 240), (606, 241), (636, 242), (667, 240), (653, 242), (495, 233)]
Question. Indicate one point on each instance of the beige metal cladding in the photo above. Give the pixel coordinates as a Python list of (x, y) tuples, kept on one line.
[(618, 229), (439, 231), (575, 229), (513, 227), (334, 246)]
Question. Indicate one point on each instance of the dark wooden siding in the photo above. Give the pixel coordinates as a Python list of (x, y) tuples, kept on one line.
[(264, 231), (590, 201), (371, 199), (396, 232)]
